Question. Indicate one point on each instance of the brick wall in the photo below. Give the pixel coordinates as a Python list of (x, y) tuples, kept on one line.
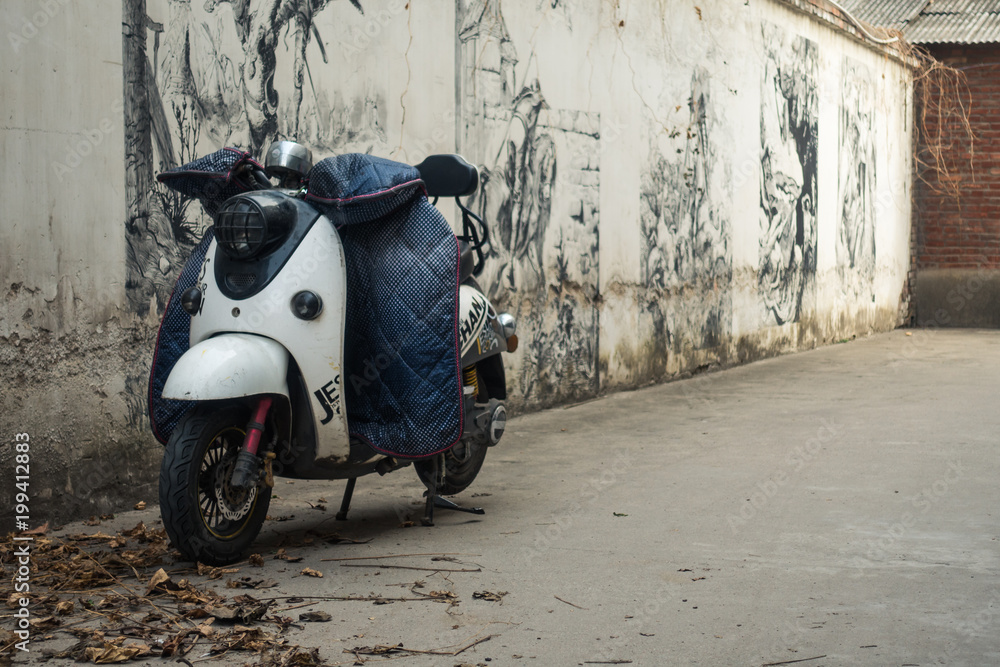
[(963, 232)]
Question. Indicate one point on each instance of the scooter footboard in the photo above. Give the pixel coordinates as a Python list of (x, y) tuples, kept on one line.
[(231, 365)]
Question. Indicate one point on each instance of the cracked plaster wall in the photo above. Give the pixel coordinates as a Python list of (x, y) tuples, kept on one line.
[(670, 187)]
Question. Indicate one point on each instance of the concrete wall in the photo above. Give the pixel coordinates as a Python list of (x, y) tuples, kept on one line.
[(69, 343), (670, 187)]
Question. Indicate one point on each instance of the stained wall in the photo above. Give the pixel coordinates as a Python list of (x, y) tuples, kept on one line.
[(670, 187)]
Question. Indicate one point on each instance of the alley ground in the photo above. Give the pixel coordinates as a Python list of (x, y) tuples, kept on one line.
[(834, 507)]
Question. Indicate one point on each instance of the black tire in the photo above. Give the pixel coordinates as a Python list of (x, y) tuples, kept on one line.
[(194, 491), (461, 467)]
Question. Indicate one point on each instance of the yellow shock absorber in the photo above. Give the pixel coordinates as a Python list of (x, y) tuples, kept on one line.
[(471, 379)]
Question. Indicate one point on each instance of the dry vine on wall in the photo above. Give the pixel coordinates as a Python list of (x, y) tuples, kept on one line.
[(943, 100)]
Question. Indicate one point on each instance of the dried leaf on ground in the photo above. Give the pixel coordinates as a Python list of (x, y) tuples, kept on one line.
[(40, 530), (376, 650), (215, 572), (442, 595), (242, 637), (144, 534), (115, 584), (159, 578), (109, 653), (309, 572), (80, 537), (315, 617), (240, 613), (43, 623), (293, 657), (141, 505), (256, 560), (489, 596), (250, 582), (7, 640)]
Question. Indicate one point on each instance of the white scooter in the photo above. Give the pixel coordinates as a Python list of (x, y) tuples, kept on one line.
[(265, 367)]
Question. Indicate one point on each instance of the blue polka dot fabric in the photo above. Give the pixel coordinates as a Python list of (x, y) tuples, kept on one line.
[(402, 385), (171, 343), (210, 179)]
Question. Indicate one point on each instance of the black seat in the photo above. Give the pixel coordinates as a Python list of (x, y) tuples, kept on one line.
[(448, 176)]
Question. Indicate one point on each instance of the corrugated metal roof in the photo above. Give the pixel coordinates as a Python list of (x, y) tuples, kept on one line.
[(956, 22), (933, 21), (885, 13)]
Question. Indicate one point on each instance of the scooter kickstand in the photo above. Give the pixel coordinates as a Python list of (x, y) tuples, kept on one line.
[(346, 502), (428, 519), (432, 488), (444, 503)]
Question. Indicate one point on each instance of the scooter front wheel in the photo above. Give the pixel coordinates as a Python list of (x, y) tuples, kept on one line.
[(206, 518)]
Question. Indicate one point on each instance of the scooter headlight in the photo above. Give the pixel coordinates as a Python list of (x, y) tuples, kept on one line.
[(240, 228), (245, 226)]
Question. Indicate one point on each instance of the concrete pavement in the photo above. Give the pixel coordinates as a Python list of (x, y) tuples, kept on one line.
[(834, 507)]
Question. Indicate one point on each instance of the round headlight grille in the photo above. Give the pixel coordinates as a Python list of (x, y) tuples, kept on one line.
[(241, 228)]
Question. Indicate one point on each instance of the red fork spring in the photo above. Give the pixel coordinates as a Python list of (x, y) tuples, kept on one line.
[(256, 425)]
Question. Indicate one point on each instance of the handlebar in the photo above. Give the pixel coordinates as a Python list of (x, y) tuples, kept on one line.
[(262, 180)]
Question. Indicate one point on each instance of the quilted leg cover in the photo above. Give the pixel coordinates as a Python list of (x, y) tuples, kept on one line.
[(171, 342)]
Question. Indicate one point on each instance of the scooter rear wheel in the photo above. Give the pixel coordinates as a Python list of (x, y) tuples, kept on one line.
[(461, 467), (206, 518)]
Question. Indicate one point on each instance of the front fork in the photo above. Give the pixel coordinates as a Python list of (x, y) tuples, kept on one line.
[(247, 462)]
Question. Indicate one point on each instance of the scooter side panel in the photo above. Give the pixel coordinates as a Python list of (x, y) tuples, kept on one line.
[(316, 345), (479, 332), (474, 310)]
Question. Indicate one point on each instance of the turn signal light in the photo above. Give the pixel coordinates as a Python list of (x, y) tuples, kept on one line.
[(512, 344), (191, 300)]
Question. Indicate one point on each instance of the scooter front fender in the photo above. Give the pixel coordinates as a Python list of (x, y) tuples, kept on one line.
[(230, 365)]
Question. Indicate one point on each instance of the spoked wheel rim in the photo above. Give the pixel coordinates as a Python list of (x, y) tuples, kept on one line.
[(223, 509)]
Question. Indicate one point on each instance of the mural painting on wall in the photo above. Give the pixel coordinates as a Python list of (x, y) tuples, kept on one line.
[(856, 180), (212, 79), (789, 117), (686, 237), (199, 76), (540, 194)]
